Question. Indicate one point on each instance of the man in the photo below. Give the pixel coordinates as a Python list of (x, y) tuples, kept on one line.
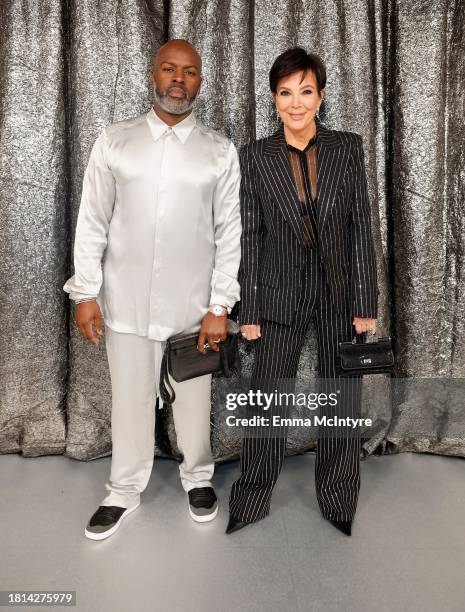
[(161, 195)]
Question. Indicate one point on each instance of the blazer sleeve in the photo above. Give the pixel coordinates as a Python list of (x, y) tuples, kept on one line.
[(364, 284), (251, 240)]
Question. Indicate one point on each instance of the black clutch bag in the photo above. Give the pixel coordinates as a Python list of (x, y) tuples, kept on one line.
[(358, 358), (183, 361)]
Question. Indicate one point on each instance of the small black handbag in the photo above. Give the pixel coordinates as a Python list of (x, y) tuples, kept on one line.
[(359, 358), (183, 361)]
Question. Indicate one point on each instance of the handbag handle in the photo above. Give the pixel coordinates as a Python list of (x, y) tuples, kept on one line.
[(167, 393), (359, 338)]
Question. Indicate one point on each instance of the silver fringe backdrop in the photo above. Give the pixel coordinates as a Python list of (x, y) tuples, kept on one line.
[(396, 75)]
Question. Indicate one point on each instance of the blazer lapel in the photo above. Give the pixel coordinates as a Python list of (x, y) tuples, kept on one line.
[(332, 160), (275, 169)]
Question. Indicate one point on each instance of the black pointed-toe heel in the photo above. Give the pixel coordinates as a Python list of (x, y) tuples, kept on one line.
[(343, 526), (235, 525)]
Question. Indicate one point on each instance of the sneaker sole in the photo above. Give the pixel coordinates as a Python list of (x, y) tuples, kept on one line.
[(106, 534), (205, 518)]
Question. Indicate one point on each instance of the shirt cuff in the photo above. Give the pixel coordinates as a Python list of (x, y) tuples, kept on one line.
[(74, 295), (225, 290)]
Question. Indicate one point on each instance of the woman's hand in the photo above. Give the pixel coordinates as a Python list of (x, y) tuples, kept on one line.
[(363, 324), (250, 332)]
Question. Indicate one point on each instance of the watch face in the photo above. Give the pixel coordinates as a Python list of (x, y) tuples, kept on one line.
[(217, 310)]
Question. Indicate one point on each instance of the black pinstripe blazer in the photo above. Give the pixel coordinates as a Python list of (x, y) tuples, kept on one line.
[(273, 250)]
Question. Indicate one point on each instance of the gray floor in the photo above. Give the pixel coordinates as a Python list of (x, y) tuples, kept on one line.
[(406, 553)]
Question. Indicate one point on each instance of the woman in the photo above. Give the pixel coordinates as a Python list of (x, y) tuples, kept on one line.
[(307, 253)]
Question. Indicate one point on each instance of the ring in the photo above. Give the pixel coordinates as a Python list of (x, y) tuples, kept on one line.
[(244, 334), (216, 341)]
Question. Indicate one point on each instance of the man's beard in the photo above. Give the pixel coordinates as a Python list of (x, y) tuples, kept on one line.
[(170, 105)]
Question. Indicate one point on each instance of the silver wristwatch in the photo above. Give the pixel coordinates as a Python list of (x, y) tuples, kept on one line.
[(217, 310)]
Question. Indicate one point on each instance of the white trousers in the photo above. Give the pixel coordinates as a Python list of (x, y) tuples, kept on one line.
[(134, 363)]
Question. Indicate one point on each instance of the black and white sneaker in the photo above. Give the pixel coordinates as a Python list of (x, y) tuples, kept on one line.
[(106, 521), (203, 504)]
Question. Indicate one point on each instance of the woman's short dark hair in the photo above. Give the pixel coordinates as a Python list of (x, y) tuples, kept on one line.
[(294, 60)]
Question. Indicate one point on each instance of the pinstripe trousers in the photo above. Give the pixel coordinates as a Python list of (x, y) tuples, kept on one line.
[(337, 467)]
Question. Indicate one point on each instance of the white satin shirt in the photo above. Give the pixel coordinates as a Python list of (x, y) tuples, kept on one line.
[(158, 230)]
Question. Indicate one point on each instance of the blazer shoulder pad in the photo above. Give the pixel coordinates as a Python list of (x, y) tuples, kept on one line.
[(347, 137), (254, 146)]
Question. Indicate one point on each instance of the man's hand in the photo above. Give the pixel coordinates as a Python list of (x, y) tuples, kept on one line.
[(250, 332), (363, 324), (213, 330), (87, 315)]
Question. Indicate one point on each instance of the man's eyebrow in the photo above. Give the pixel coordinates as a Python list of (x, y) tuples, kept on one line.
[(174, 64)]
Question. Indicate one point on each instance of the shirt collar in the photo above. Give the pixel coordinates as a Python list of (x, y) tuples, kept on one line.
[(310, 144), (182, 129)]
